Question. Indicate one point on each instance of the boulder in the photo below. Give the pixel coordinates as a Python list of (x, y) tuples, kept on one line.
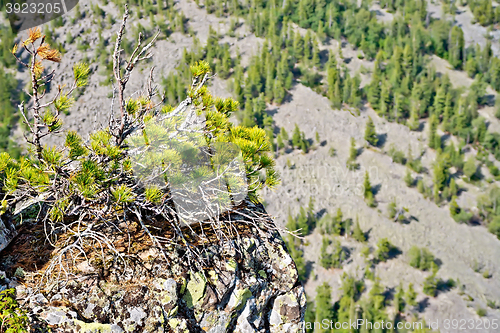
[(7, 233)]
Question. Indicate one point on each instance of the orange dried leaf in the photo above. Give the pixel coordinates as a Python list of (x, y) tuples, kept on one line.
[(54, 56), (14, 49), (33, 35), (42, 49), (45, 52)]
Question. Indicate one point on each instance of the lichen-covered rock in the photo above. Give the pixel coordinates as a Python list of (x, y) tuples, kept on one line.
[(250, 284)]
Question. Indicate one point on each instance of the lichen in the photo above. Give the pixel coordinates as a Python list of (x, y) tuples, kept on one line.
[(92, 327), (195, 289), (239, 298), (231, 265)]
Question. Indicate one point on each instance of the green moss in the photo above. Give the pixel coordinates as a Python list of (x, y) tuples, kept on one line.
[(263, 274)]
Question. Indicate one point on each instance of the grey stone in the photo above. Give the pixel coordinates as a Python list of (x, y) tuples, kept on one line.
[(7, 233)]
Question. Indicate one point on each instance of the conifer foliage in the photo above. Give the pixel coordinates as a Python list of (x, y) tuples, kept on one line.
[(370, 134), (89, 186)]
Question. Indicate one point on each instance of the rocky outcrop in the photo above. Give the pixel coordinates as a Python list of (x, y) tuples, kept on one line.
[(250, 284)]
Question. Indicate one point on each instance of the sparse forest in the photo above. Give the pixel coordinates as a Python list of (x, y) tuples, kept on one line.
[(389, 82)]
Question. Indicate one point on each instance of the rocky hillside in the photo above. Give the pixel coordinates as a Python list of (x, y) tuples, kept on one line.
[(403, 203)]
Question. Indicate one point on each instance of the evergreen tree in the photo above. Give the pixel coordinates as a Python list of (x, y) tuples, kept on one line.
[(270, 82), (439, 101), (353, 153), (430, 285), (279, 91), (433, 137), (296, 137), (384, 249), (368, 192), (280, 143), (238, 90), (338, 222), (284, 134), (367, 186), (413, 122), (324, 307), (298, 46), (302, 222), (411, 295), (453, 187), (470, 168), (391, 208), (408, 178), (374, 89), (441, 173), (321, 31), (399, 303), (358, 234), (310, 316), (456, 47), (291, 223), (436, 194), (346, 91), (307, 47), (385, 100), (355, 98), (336, 96), (370, 134), (325, 260), (420, 186), (447, 113), (304, 144), (480, 131)]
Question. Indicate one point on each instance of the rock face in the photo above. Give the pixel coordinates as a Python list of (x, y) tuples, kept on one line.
[(249, 285), (7, 233)]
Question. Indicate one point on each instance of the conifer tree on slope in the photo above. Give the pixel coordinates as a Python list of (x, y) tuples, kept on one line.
[(370, 134)]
